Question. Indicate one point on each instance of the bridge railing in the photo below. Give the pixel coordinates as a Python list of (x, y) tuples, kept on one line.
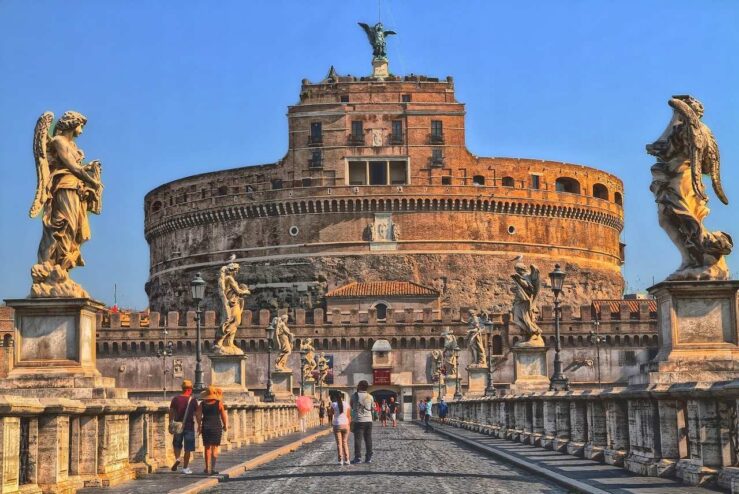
[(685, 430), (61, 445)]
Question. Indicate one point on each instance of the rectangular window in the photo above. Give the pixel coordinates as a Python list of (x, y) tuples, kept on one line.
[(316, 133), (406, 98), (437, 128), (397, 134), (446, 180), (535, 182), (357, 129), (276, 184), (436, 157), (357, 173), (344, 98), (398, 173), (378, 172), (316, 160), (627, 357)]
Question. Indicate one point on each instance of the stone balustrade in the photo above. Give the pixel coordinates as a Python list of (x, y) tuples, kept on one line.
[(688, 430), (61, 445)]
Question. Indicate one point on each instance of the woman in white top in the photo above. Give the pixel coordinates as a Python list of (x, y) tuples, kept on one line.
[(341, 424)]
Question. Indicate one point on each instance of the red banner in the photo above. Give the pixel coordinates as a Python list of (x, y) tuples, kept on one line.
[(381, 376)]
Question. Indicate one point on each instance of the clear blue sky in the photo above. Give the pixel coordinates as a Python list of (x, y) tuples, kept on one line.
[(177, 88)]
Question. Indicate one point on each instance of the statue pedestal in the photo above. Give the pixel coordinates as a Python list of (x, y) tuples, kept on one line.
[(309, 387), (380, 69), (54, 361), (228, 372), (450, 387), (530, 369), (282, 385), (478, 379), (699, 333)]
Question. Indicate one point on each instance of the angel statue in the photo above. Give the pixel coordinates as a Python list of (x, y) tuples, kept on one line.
[(376, 35), (476, 340), (306, 347), (526, 287), (437, 358), (451, 350), (284, 340), (232, 296), (685, 152), (66, 190), (323, 369)]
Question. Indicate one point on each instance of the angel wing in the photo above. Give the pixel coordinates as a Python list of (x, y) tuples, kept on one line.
[(388, 33), (535, 282), (714, 160), (40, 142), (222, 291), (368, 30)]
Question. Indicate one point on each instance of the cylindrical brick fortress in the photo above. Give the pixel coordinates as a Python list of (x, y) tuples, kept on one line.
[(377, 184)]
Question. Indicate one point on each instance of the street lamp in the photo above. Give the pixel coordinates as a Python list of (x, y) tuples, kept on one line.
[(596, 338), (163, 353), (490, 389), (303, 362), (197, 286), (558, 381), (457, 391), (269, 396)]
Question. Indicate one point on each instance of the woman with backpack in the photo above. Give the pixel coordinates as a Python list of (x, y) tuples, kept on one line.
[(340, 423)]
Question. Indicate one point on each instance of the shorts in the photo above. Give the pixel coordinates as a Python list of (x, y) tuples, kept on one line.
[(188, 437), (392, 417), (341, 428)]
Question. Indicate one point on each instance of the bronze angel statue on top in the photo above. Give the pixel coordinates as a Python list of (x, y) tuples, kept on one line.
[(376, 35), (67, 190), (685, 152)]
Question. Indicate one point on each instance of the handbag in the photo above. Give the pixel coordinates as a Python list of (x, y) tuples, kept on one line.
[(176, 427)]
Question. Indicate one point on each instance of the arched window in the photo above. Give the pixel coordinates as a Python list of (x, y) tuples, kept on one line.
[(508, 182), (618, 199), (381, 311), (222, 190), (478, 180), (600, 191), (566, 184)]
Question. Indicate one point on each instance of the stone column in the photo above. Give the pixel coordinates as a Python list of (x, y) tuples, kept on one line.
[(706, 455), (10, 439), (519, 412), (562, 413), (528, 421), (550, 424), (258, 424), (578, 427), (617, 432), (113, 465), (645, 452), (597, 439), (537, 422), (668, 435), (53, 475)]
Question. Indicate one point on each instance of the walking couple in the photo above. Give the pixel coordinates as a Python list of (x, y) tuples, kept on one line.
[(355, 416)]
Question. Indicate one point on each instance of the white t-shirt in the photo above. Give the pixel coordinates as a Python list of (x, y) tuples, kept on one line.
[(340, 418)]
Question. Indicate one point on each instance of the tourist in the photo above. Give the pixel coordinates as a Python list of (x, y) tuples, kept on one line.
[(392, 409), (421, 409), (362, 406), (340, 423), (182, 419), (443, 410), (427, 415), (383, 413), (212, 423), (321, 412), (330, 414)]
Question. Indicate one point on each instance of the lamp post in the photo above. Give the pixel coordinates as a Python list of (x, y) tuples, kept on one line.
[(197, 286), (490, 389), (269, 396), (596, 338), (457, 391), (303, 361), (163, 353), (558, 381)]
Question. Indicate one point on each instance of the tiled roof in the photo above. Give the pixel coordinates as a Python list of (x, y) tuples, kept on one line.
[(632, 304), (382, 289)]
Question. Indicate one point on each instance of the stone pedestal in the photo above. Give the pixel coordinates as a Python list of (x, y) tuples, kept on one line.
[(228, 371), (380, 69), (478, 379), (54, 352), (309, 387), (450, 387), (530, 369), (282, 385), (699, 334)]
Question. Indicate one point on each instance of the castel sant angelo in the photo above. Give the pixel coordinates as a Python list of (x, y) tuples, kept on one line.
[(378, 185)]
